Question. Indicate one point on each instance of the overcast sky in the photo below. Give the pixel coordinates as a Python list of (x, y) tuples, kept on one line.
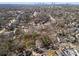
[(31, 1), (39, 0)]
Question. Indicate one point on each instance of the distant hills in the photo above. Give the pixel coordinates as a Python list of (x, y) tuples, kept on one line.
[(34, 4)]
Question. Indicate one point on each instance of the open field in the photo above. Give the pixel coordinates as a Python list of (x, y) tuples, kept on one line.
[(39, 31)]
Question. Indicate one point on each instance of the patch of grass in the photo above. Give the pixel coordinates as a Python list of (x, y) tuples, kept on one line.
[(30, 44), (51, 53), (30, 40), (5, 48), (34, 34), (46, 40)]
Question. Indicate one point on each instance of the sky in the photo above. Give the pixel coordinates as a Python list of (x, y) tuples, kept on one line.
[(31, 1), (39, 0)]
